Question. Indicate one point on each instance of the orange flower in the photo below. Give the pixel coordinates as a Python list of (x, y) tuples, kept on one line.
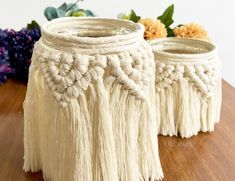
[(153, 29), (191, 30)]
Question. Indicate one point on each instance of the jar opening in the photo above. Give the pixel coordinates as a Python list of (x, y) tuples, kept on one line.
[(94, 32), (183, 49)]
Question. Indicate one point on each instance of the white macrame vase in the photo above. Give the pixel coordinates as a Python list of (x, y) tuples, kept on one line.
[(188, 86), (89, 109)]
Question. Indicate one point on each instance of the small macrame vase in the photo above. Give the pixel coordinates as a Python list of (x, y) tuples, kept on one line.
[(89, 108), (188, 86)]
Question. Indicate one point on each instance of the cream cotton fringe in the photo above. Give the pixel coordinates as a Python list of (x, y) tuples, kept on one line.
[(188, 86), (89, 109)]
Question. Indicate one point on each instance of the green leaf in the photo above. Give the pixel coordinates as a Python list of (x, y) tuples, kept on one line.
[(130, 16), (179, 25), (72, 6), (69, 13), (170, 32), (166, 17), (63, 6), (65, 9), (50, 13), (89, 12), (60, 13), (33, 25), (134, 17)]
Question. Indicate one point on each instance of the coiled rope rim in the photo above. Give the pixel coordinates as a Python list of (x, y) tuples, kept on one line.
[(54, 34)]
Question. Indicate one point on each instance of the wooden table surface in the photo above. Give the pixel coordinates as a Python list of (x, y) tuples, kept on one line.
[(206, 157)]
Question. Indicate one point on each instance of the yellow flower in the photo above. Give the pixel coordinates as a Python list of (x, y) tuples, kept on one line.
[(153, 29), (191, 30)]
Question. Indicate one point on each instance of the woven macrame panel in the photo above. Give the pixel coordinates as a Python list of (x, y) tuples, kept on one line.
[(69, 73), (203, 76)]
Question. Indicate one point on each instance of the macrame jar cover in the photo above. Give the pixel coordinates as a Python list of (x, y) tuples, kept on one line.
[(188, 86), (89, 108)]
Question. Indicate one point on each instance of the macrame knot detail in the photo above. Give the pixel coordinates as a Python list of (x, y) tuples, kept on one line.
[(68, 74), (202, 76)]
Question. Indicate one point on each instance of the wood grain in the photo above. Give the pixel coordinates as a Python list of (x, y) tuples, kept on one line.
[(206, 157)]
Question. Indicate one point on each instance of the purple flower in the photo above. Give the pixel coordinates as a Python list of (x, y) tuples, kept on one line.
[(16, 49)]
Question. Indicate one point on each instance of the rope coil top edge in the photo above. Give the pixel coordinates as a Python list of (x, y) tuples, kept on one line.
[(101, 35)]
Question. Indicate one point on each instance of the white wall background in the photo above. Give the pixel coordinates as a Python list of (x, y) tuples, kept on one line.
[(216, 16)]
